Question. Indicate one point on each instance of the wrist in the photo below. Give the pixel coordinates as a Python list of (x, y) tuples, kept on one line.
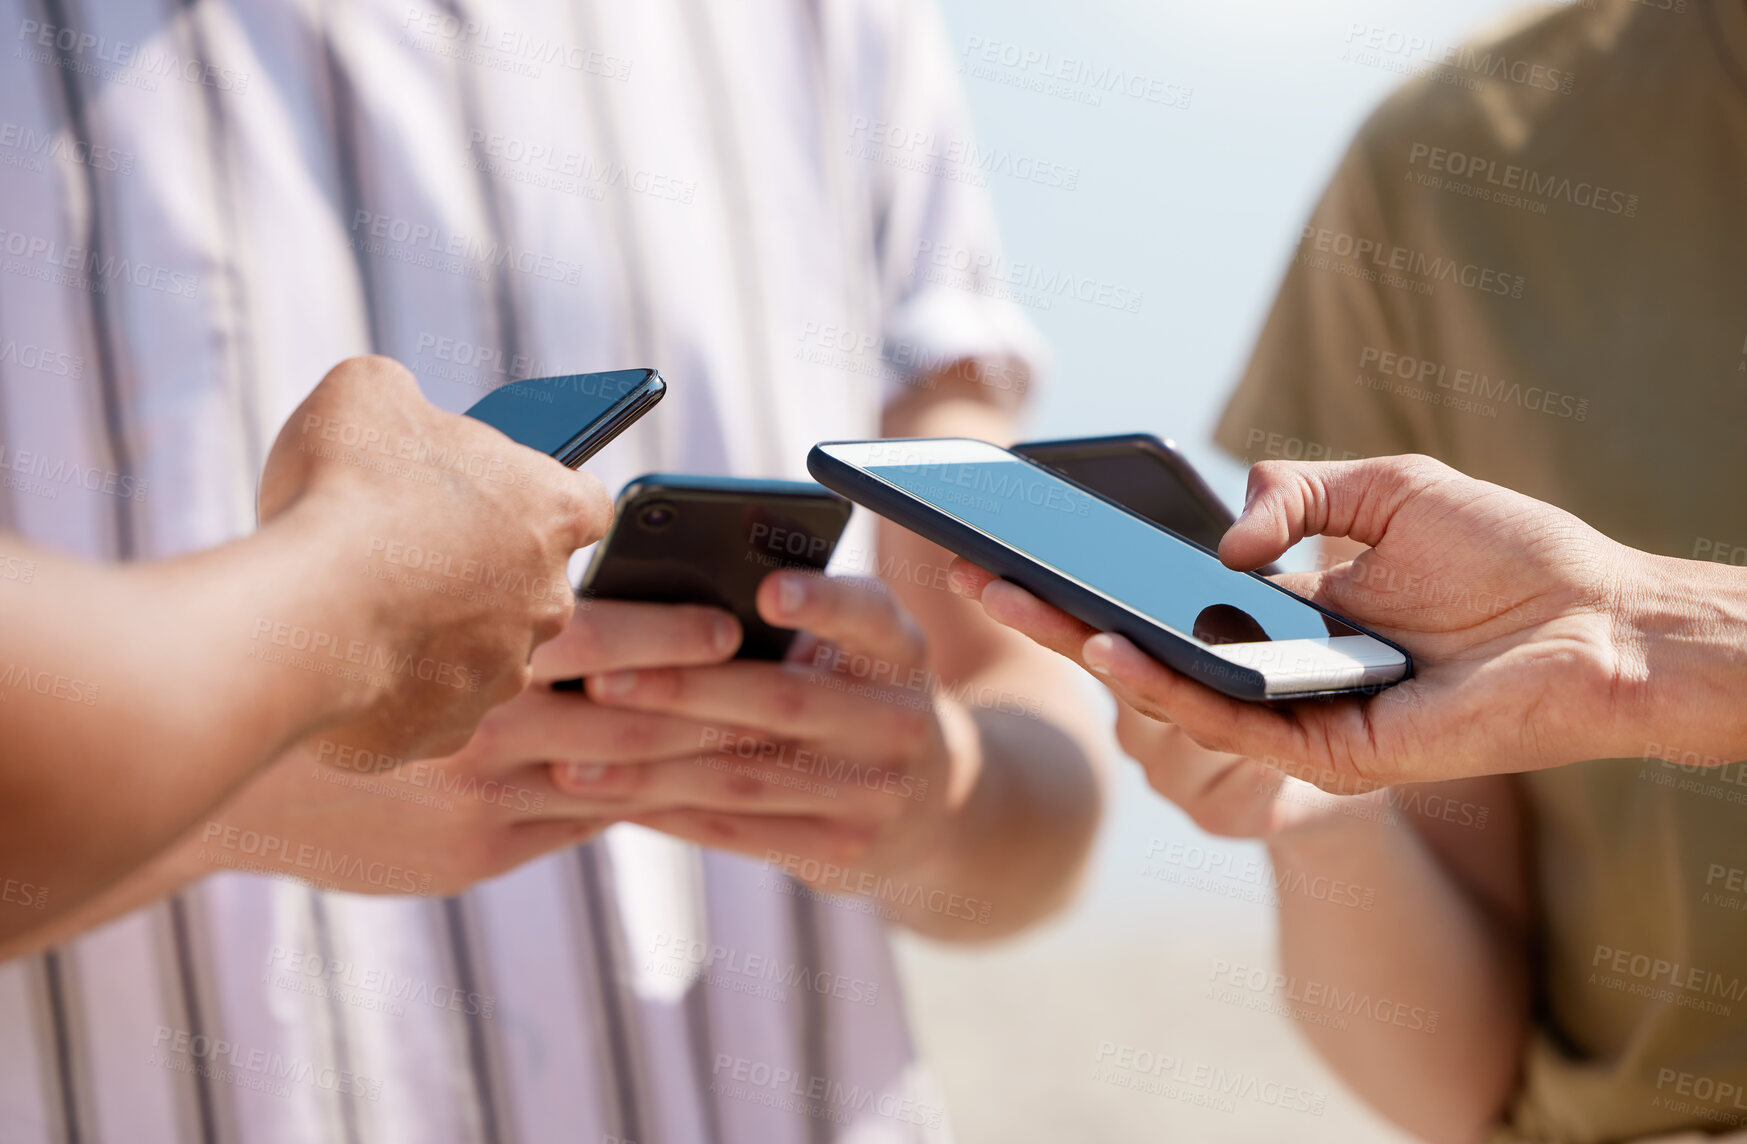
[(310, 616), (1683, 642)]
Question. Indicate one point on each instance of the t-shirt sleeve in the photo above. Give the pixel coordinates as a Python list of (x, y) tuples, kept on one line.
[(1318, 385), (938, 251)]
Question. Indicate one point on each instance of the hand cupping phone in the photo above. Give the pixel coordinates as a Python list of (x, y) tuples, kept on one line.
[(1234, 631), (680, 539), (570, 418), (1146, 476)]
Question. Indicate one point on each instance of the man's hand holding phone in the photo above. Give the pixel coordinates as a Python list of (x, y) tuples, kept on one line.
[(375, 470), (1534, 633)]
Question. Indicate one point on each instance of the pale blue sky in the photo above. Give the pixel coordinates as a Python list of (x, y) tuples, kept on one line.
[(1195, 209)]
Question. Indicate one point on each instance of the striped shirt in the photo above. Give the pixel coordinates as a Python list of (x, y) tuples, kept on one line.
[(204, 204)]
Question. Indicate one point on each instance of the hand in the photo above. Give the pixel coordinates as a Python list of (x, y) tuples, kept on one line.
[(440, 825), (1526, 626), (463, 538), (842, 755)]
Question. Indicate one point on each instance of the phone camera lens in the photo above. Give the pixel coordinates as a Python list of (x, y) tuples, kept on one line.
[(657, 516)]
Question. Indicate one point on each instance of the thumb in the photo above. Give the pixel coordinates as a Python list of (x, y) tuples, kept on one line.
[(1289, 500)]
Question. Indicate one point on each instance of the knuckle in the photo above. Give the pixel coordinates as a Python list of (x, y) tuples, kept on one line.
[(789, 699)]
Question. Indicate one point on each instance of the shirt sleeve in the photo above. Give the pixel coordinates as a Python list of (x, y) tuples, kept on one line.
[(939, 256), (1316, 387)]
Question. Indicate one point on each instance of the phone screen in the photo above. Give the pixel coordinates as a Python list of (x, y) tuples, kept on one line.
[(1145, 484), (550, 413), (1149, 569)]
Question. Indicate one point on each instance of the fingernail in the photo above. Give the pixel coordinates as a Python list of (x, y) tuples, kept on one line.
[(1096, 654), (725, 634), (791, 595), (615, 684), (582, 774)]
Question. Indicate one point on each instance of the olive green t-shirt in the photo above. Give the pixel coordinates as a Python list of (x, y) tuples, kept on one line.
[(1532, 264)]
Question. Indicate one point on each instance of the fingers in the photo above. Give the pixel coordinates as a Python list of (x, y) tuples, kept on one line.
[(882, 711), (858, 617), (1215, 721), (967, 579), (825, 839), (542, 724), (613, 635), (785, 781), (1289, 500), (1014, 607)]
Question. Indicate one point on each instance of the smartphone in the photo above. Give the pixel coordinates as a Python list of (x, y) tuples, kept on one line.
[(680, 539), (1144, 475), (1237, 632), (570, 418)]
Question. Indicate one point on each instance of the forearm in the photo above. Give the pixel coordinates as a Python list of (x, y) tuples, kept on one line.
[(140, 697), (1420, 1001), (1016, 845)]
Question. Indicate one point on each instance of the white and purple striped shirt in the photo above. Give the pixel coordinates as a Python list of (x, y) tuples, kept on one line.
[(204, 204)]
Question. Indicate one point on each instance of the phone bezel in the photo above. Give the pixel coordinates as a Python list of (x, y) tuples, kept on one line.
[(832, 461)]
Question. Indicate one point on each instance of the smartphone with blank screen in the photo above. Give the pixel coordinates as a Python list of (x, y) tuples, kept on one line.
[(570, 418), (1145, 475), (681, 539), (1111, 568)]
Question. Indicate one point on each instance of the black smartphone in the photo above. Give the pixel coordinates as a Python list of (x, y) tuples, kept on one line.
[(570, 418), (1237, 632), (680, 539), (1144, 475)]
